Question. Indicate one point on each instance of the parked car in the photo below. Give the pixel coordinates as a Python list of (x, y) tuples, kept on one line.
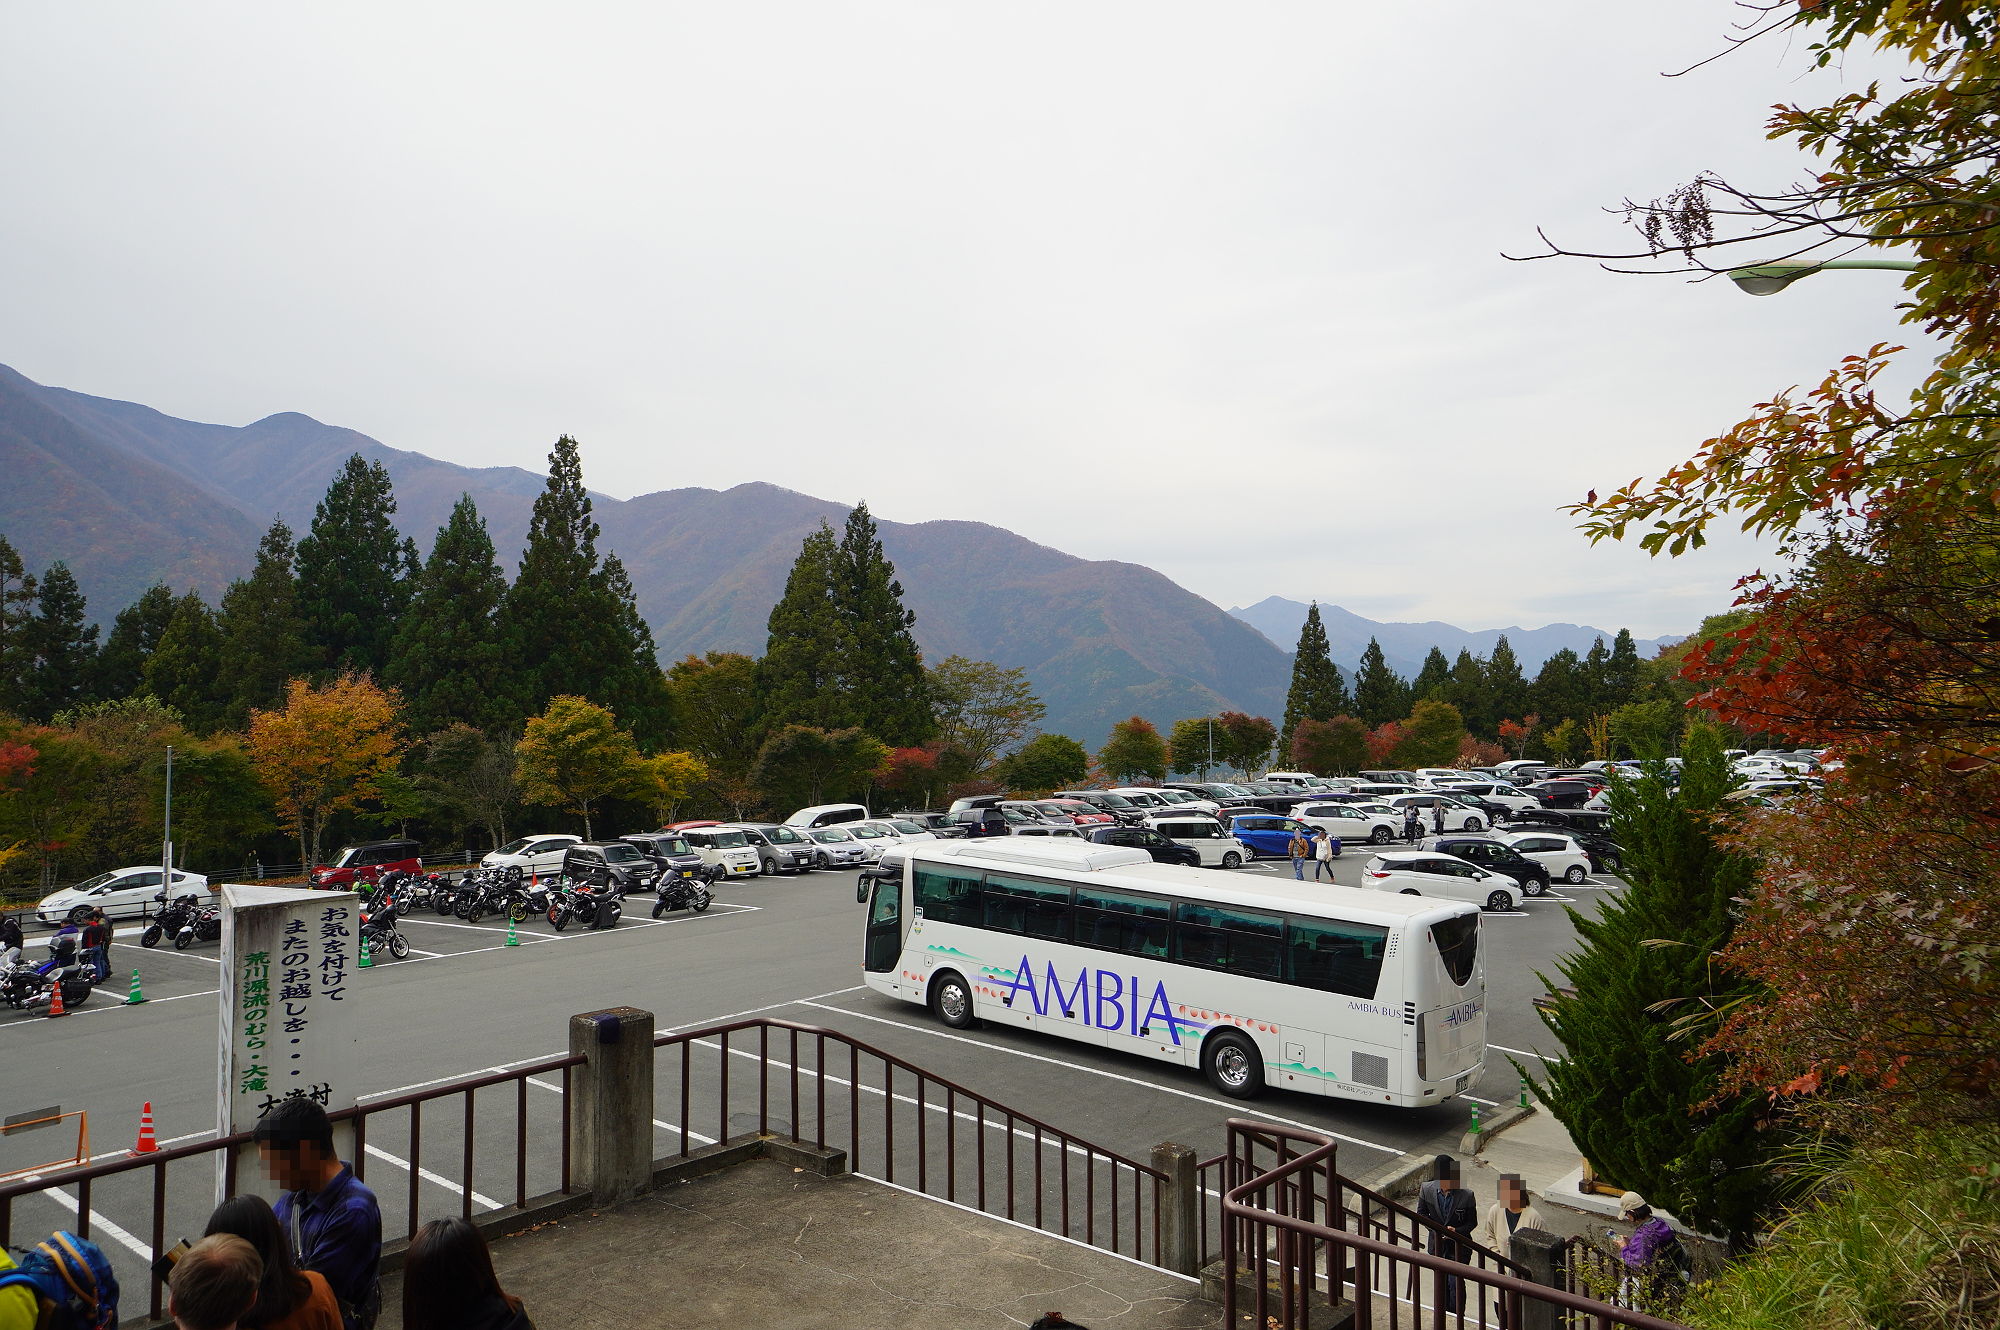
[(1266, 835), (369, 860), (668, 849), (872, 838), (1562, 793), (1152, 842), (930, 821), (780, 849), (1211, 842), (1498, 793), (827, 815), (1457, 816), (1498, 856), (1606, 854), (726, 849), (1103, 800), (612, 863), (1427, 873), (533, 855), (1559, 854), (996, 820), (1390, 777), (902, 828), (122, 893), (1350, 821), (1569, 819), (1182, 801), (1146, 801), (1049, 829), (1031, 810), (837, 849), (1080, 813)]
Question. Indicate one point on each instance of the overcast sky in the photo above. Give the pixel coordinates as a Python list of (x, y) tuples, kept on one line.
[(1215, 288)]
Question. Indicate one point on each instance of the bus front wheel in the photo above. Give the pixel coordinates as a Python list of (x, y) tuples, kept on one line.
[(1233, 1066), (951, 1001)]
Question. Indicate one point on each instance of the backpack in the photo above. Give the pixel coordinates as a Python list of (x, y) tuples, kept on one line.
[(72, 1280)]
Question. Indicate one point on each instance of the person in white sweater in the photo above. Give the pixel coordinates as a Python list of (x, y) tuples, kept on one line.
[(1513, 1210)]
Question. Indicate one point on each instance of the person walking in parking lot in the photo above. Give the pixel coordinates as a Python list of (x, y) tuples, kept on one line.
[(1326, 848), (1299, 847), (1413, 824), (1437, 817)]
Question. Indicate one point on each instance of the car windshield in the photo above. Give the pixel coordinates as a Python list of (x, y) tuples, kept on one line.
[(512, 847), (830, 835), (908, 828), (674, 845), (1177, 796), (621, 854), (783, 836), (727, 840), (865, 832), (1113, 801), (95, 882)]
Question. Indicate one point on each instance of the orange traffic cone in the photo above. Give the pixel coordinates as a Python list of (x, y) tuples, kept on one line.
[(55, 999), (147, 1145)]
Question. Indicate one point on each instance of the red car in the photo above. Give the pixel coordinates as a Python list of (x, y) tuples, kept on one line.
[(367, 862), (1086, 815)]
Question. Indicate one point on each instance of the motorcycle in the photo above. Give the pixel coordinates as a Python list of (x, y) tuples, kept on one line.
[(593, 907), (24, 986), (202, 924), (681, 890), (378, 929), (173, 914)]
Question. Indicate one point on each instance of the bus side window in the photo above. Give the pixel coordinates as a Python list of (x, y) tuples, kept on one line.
[(948, 895), (1122, 922), (1223, 938), (1338, 957), (1028, 907)]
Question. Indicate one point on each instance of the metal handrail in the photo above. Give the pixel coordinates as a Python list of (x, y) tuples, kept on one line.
[(1297, 1280)]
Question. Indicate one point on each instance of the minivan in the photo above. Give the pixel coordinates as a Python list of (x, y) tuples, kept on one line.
[(724, 848), (367, 861), (827, 815)]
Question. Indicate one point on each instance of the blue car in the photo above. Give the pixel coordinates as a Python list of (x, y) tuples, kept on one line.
[(1267, 834)]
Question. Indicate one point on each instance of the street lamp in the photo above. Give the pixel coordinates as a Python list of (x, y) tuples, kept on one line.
[(1767, 279)]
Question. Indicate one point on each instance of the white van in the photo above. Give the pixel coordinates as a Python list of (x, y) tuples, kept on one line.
[(725, 848), (1303, 779), (1205, 836), (828, 815)]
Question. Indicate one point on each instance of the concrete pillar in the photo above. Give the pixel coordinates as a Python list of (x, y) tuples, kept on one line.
[(1180, 1209), (611, 1108), (1542, 1253)]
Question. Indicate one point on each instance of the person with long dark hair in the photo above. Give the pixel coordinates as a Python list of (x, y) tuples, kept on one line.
[(449, 1284), (288, 1298)]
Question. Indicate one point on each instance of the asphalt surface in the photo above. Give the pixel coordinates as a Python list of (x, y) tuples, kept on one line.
[(465, 1003)]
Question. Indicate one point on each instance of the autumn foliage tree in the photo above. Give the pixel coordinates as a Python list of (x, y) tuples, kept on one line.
[(1134, 751), (325, 751), (573, 755)]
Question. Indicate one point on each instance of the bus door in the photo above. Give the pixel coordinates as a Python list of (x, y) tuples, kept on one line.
[(884, 946)]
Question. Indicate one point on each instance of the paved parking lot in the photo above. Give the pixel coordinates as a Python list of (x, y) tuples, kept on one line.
[(464, 1002)]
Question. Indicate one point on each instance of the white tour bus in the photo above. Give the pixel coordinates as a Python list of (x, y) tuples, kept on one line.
[(1335, 991)]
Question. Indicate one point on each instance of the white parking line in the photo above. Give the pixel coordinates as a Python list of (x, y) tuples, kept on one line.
[(1522, 1052), (484, 1202), (171, 951)]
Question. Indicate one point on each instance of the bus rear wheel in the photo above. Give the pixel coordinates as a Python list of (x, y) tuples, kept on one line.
[(1233, 1066), (951, 1001)]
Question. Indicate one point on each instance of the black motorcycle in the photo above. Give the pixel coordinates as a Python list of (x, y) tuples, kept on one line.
[(25, 987), (203, 924), (682, 889), (378, 928), (173, 914)]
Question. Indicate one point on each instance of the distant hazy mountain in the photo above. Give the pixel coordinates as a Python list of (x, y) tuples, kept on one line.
[(128, 496), (1404, 645)]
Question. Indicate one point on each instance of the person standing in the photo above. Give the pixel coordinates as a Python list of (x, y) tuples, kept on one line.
[(1413, 824), (1652, 1252), (96, 944), (214, 1284), (1326, 848), (1299, 847), (11, 941), (1513, 1210), (449, 1284), (1446, 1203), (1437, 817), (331, 1215), (288, 1298)]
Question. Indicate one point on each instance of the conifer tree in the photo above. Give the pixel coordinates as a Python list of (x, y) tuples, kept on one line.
[(803, 678), (1432, 677), (1506, 685), (446, 660), (1640, 1103), (353, 570), (263, 635), (17, 612), (1317, 692), (1596, 678), (1562, 689), (638, 690), (184, 671), (134, 637), (1621, 672), (1467, 689), (59, 649), (895, 703), (1380, 694)]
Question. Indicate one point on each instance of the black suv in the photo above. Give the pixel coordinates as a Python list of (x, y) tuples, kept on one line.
[(618, 864), (668, 849), (1152, 842), (1569, 819), (1495, 857)]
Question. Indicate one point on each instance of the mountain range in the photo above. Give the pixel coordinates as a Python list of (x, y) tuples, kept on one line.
[(1404, 645), (128, 496)]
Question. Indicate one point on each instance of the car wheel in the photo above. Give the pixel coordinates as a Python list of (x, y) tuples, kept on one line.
[(1233, 1065), (1474, 824), (1381, 836), (1232, 860), (1576, 874), (1535, 886), (1615, 864), (80, 915), (769, 867), (1409, 891), (951, 1001), (1499, 902)]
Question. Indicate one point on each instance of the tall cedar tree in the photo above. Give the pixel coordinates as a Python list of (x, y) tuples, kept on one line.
[(185, 671), (135, 635), (892, 698), (446, 661), (1317, 692), (1562, 690), (1643, 1108), (638, 691), (804, 677), (1506, 685), (1468, 691), (60, 648), (1380, 694), (1432, 677), (263, 635), (17, 612), (1596, 677), (1621, 672), (354, 571)]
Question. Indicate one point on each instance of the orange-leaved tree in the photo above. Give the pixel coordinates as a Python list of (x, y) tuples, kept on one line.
[(325, 751)]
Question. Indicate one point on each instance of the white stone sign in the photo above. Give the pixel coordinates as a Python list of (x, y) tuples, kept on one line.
[(290, 1004)]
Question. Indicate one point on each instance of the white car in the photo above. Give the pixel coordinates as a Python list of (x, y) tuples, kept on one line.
[(872, 837), (1432, 777), (1427, 873), (725, 848), (122, 893), (534, 855), (838, 849), (1457, 817), (1205, 836), (1147, 801), (1352, 821), (900, 828), (1494, 792), (1186, 801), (1563, 857)]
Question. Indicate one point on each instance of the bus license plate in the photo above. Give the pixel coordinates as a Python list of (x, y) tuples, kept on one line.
[(1463, 1081)]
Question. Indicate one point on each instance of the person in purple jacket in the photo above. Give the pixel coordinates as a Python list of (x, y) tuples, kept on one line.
[(329, 1215), (1652, 1252)]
